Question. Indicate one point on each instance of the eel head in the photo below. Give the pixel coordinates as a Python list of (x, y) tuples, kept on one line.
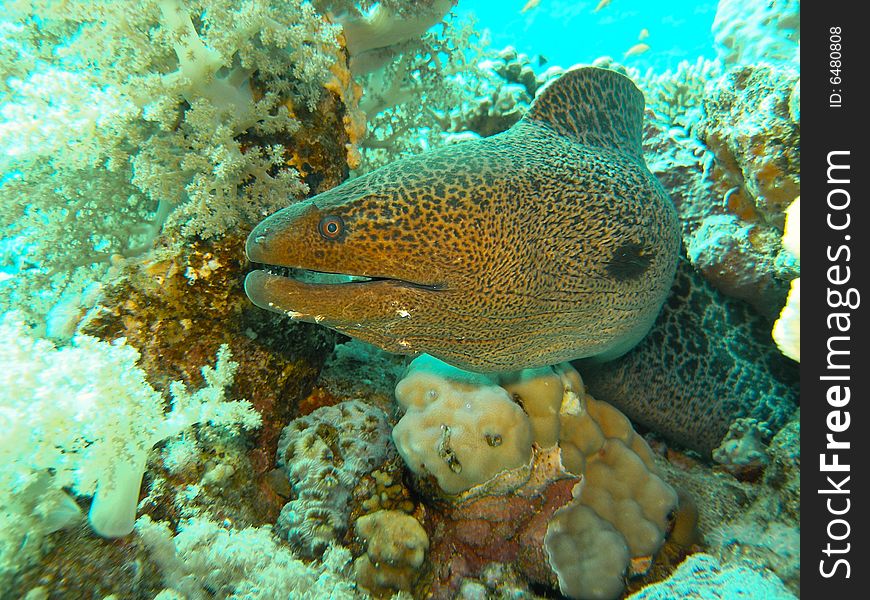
[(333, 260)]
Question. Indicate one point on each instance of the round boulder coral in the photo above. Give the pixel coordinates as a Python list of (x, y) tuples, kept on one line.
[(576, 515), (460, 428)]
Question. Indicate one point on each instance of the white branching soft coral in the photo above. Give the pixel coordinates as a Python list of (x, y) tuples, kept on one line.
[(123, 115), (205, 560), (84, 418)]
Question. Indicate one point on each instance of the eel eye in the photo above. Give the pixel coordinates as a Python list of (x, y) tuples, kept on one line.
[(331, 227)]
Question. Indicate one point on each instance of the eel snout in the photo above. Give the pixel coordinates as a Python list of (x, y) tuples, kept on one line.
[(308, 278)]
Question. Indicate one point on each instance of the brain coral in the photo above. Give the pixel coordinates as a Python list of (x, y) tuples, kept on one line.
[(324, 454)]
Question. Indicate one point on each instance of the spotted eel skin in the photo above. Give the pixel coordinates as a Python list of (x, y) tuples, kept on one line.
[(548, 242), (708, 360)]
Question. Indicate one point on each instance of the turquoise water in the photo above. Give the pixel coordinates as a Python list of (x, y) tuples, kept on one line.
[(568, 32)]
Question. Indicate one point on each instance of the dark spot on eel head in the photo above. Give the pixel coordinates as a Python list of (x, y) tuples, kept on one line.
[(629, 261)]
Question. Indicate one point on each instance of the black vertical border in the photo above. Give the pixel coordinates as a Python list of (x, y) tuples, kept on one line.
[(827, 129)]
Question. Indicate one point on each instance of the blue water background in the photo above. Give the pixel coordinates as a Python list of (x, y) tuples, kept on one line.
[(567, 32)]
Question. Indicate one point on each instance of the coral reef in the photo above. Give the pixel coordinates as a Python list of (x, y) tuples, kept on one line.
[(323, 455), (675, 96), (497, 580), (176, 306), (177, 123), (84, 417), (499, 95), (79, 565), (140, 147), (179, 306), (399, 70), (743, 446), (783, 473), (396, 545), (767, 532), (747, 126), (532, 513), (385, 28), (731, 165), (702, 577), (752, 31), (748, 516), (171, 130), (504, 521), (206, 559), (717, 343), (356, 369)]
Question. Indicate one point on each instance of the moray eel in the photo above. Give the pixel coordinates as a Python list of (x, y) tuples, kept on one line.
[(547, 242), (707, 361)]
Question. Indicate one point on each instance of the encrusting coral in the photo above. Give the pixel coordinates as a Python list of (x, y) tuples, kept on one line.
[(702, 577), (748, 126), (730, 183)]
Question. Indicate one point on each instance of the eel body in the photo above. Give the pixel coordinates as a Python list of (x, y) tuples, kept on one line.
[(707, 361), (548, 242)]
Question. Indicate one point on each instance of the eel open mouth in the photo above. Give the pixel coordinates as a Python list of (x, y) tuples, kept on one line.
[(319, 278), (304, 292), (315, 277)]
